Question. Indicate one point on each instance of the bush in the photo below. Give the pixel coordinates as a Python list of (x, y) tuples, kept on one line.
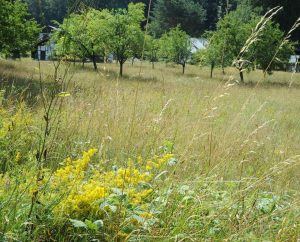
[(81, 196)]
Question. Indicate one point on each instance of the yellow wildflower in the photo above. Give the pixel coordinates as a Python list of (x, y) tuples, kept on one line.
[(18, 157), (147, 215)]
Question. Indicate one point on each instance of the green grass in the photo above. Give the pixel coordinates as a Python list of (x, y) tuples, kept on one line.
[(238, 174)]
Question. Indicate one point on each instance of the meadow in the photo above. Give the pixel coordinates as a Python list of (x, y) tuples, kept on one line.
[(220, 159)]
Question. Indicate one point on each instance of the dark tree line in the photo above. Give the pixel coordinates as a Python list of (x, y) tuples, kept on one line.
[(45, 11), (194, 16), (287, 17)]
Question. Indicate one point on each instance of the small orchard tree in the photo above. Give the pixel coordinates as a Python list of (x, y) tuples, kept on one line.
[(138, 49), (99, 30), (214, 55), (176, 46), (74, 38), (84, 35), (227, 41), (151, 49), (272, 49), (64, 47), (124, 32), (244, 39), (199, 57), (264, 46), (18, 32)]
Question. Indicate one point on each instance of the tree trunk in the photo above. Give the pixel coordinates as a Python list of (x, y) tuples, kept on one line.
[(265, 73), (152, 64), (94, 62), (132, 61), (223, 67), (121, 68), (242, 76), (183, 68), (212, 69)]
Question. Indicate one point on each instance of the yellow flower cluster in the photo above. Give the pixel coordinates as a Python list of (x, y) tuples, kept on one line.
[(85, 186), (158, 162), (18, 156), (74, 171)]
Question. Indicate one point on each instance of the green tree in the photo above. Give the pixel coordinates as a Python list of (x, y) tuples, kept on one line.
[(74, 39), (95, 32), (227, 41), (176, 46), (65, 47), (38, 10), (84, 34), (272, 50), (18, 32), (45, 11), (285, 18), (245, 39), (151, 49), (124, 32), (168, 14)]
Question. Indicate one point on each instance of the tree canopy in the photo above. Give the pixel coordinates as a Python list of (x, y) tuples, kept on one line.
[(125, 34), (18, 32), (175, 46), (44, 11), (247, 40), (101, 32), (287, 17), (168, 14), (194, 16)]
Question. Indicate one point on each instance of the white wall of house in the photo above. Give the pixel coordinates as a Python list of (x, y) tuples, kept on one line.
[(294, 63), (47, 49)]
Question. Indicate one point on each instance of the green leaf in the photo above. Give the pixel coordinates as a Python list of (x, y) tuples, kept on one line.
[(99, 223), (64, 94), (105, 205), (91, 225), (78, 223)]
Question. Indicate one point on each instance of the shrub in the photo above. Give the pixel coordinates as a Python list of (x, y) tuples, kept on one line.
[(119, 200), (82, 196)]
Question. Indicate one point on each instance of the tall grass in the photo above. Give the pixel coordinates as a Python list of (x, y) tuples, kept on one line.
[(237, 176)]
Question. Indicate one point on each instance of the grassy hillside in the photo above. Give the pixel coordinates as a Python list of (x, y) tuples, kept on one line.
[(232, 171)]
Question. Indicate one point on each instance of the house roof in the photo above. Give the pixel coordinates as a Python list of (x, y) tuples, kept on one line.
[(198, 44), (294, 59), (45, 37)]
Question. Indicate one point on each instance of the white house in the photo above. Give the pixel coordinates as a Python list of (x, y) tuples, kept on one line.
[(44, 48), (294, 63)]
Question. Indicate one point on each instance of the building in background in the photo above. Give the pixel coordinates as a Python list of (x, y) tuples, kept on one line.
[(198, 44), (44, 48)]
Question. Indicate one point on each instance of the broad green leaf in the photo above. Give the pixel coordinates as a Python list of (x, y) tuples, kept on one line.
[(99, 223), (78, 223)]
